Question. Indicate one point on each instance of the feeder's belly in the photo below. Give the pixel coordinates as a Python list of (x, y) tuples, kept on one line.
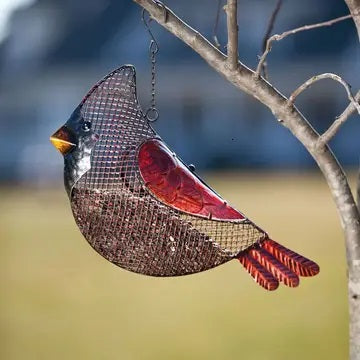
[(141, 236)]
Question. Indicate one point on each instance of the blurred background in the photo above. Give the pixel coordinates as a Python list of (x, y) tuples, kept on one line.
[(60, 299)]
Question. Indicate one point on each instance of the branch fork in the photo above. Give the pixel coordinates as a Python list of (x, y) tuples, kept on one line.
[(278, 37)]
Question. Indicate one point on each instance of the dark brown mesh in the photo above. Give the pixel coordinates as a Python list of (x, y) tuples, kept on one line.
[(116, 213)]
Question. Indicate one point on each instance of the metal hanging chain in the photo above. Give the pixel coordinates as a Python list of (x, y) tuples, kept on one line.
[(152, 113)]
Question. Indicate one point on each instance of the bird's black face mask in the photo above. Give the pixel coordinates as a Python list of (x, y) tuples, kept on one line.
[(75, 140)]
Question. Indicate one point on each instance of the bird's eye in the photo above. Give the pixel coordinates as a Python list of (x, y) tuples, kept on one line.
[(86, 126)]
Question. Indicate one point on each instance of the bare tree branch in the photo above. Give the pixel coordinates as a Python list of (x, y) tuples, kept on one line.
[(354, 7), (268, 32), (232, 26), (315, 79), (243, 78), (271, 23), (340, 120), (277, 37)]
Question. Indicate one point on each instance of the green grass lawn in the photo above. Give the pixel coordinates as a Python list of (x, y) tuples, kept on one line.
[(60, 300)]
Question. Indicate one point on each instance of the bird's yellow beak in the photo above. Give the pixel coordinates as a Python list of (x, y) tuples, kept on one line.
[(64, 140)]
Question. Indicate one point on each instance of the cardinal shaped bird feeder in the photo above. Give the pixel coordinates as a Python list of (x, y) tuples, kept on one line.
[(142, 208)]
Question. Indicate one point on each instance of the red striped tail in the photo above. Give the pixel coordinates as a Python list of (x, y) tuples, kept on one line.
[(263, 277), (271, 262)]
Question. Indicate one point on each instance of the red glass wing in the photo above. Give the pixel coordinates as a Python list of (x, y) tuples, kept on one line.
[(173, 183)]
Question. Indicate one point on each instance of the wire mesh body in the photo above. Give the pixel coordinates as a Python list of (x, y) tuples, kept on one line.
[(118, 215)]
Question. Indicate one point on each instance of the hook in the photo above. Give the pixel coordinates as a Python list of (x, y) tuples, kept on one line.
[(161, 4), (152, 114), (154, 46)]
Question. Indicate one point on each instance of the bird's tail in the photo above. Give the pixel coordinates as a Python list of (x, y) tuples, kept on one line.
[(269, 262)]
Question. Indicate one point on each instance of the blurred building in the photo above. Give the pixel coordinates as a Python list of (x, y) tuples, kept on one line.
[(57, 49)]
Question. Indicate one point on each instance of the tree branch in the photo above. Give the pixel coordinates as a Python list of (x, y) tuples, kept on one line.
[(232, 26), (268, 32), (354, 7), (335, 126), (315, 79), (244, 79), (271, 23), (277, 37)]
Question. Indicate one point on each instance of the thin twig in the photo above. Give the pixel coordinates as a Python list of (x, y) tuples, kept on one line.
[(315, 79), (340, 120), (232, 26), (271, 23), (277, 37), (268, 32), (216, 24)]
